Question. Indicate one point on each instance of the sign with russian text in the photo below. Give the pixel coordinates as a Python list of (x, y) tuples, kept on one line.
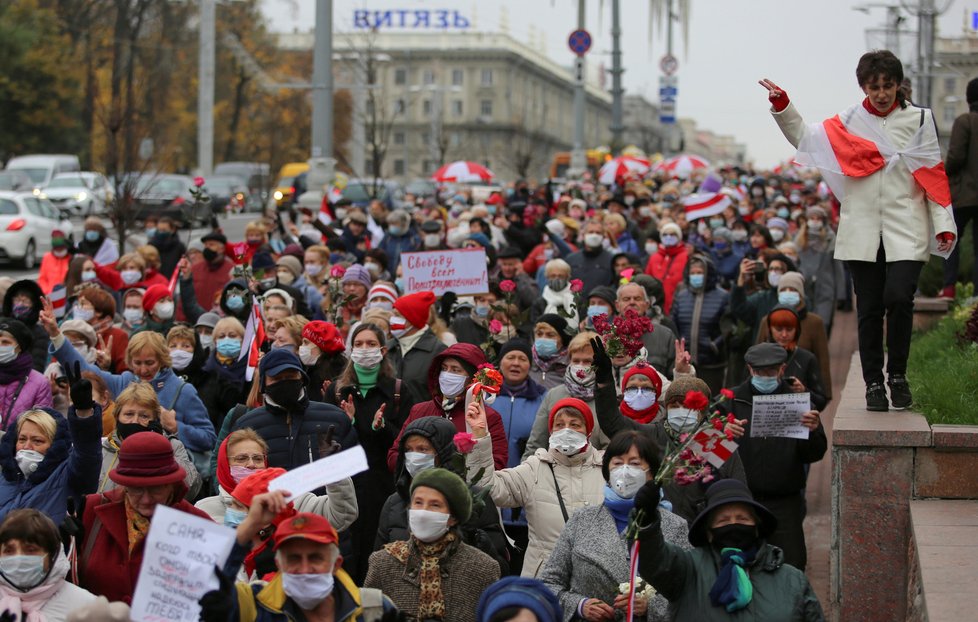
[(780, 415), (181, 551), (412, 19), (462, 271)]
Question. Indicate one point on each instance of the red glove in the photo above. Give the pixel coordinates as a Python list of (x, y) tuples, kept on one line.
[(779, 100), (945, 236)]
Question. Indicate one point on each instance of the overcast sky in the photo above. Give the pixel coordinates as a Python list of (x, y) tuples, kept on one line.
[(809, 48)]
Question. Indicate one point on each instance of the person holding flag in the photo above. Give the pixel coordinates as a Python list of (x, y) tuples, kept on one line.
[(882, 160)]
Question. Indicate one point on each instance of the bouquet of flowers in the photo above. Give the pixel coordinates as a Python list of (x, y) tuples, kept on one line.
[(623, 335), (683, 465), (642, 589), (488, 382)]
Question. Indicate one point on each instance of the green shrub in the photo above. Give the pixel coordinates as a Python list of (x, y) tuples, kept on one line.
[(943, 373), (932, 276)]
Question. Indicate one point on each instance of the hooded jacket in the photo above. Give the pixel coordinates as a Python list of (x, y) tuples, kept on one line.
[(697, 314), (472, 356), (193, 310), (70, 467), (39, 351)]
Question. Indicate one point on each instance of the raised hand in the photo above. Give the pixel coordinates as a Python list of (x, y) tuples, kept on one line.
[(378, 422), (475, 416), (47, 319), (683, 357), (184, 267), (327, 445), (80, 389), (348, 407), (103, 353), (602, 363), (775, 94)]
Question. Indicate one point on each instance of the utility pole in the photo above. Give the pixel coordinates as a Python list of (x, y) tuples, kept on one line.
[(927, 18), (578, 160), (321, 163), (617, 92), (205, 88)]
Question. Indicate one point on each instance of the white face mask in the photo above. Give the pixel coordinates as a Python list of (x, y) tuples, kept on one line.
[(568, 441), (593, 240), (163, 310), (28, 460), (682, 419), (386, 305), (451, 384), (206, 341), (23, 571), (815, 225), (133, 316), (180, 359), (285, 277), (80, 313), (368, 358), (7, 354), (417, 461), (777, 234), (313, 269), (580, 374), (130, 276), (773, 278), (427, 526), (626, 479), (640, 398), (651, 248), (307, 356), (85, 352), (432, 239), (308, 590)]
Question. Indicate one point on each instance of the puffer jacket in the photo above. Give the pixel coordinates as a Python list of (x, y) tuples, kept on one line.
[(533, 486), (39, 351), (668, 264), (961, 161), (888, 202), (69, 469), (697, 315), (780, 591), (36, 392), (474, 357), (110, 456)]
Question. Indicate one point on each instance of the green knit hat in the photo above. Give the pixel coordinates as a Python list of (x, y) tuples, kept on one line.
[(447, 483), (683, 385)]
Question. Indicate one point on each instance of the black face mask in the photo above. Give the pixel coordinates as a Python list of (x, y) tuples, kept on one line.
[(210, 255), (287, 394), (734, 536), (127, 429)]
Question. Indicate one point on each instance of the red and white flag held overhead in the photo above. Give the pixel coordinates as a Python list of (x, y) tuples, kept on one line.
[(705, 204)]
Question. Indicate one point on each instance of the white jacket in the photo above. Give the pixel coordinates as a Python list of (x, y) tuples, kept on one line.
[(530, 485), (338, 505), (887, 205)]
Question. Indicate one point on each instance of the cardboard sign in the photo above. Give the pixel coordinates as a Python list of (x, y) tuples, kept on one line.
[(780, 415), (181, 551), (322, 472), (461, 271), (713, 445)]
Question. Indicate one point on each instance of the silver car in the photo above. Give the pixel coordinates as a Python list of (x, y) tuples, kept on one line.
[(84, 193), (26, 223)]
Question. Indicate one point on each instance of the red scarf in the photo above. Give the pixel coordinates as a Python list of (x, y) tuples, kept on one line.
[(640, 416)]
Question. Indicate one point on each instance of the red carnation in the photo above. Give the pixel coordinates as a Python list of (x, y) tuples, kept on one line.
[(507, 286), (576, 285), (718, 424), (695, 400), (727, 393), (464, 442), (495, 327)]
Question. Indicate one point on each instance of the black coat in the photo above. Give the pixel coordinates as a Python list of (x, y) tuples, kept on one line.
[(413, 368), (328, 367), (803, 365), (592, 268), (223, 389)]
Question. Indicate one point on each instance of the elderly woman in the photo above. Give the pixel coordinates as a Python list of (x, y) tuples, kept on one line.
[(356, 283), (147, 355), (287, 332), (22, 302), (224, 385), (557, 297), (97, 307), (520, 396), (116, 522), (137, 409), (591, 557), (434, 575), (21, 386), (731, 572), (322, 353), (34, 568), (159, 308), (551, 484), (551, 336), (46, 458), (128, 272)]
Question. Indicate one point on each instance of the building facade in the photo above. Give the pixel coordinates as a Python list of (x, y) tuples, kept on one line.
[(956, 64)]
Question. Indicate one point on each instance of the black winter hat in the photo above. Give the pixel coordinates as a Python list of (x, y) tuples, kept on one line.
[(516, 344), (604, 292), (560, 325), (19, 331)]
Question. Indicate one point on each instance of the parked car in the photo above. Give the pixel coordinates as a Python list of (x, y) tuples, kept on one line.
[(360, 192), (42, 168), (285, 186), (15, 180), (82, 193), (228, 193), (166, 195), (26, 223), (256, 175)]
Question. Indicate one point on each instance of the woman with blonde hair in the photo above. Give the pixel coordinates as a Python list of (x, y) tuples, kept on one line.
[(137, 409), (151, 256)]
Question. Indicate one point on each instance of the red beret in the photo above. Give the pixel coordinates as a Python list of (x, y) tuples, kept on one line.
[(325, 335), (153, 295)]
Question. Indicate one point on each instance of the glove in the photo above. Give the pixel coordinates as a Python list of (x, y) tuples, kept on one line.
[(779, 100), (647, 498), (217, 604), (80, 389), (602, 363)]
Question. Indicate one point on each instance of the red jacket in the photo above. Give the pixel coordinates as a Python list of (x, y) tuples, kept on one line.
[(209, 280), (667, 265), (108, 569), (473, 356), (53, 271)]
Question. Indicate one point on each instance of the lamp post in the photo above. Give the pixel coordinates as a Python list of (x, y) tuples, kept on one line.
[(321, 163)]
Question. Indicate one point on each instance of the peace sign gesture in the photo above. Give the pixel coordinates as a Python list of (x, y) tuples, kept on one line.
[(775, 94), (46, 318), (103, 354)]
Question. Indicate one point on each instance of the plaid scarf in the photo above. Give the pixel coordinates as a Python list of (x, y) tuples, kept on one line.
[(431, 599)]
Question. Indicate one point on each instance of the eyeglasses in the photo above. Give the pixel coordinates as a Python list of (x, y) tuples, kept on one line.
[(241, 459), (153, 491)]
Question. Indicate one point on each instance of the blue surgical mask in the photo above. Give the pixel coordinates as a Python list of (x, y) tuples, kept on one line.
[(7, 354), (399, 284), (765, 384), (491, 209), (416, 461), (235, 303), (233, 518), (395, 230), (229, 346), (596, 310), (150, 232), (482, 310), (696, 280), (92, 235), (23, 571), (682, 419), (88, 275), (669, 240), (789, 298), (783, 212), (716, 223), (545, 348)]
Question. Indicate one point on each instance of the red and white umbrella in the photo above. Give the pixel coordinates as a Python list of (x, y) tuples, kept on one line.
[(462, 172), (682, 166), (621, 167)]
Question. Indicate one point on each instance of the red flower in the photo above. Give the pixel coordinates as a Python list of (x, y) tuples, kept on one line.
[(198, 181), (464, 442), (495, 327), (507, 286), (718, 424), (695, 400), (731, 418), (576, 285), (727, 393), (337, 271), (729, 434)]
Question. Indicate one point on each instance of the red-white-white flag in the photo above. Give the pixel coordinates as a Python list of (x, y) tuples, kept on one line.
[(712, 444), (58, 298), (704, 204), (254, 337)]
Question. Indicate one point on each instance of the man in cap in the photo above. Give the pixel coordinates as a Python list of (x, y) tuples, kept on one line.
[(432, 237), (355, 236), (510, 266), (310, 583), (775, 465)]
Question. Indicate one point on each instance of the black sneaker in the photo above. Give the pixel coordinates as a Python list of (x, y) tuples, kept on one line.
[(876, 398), (900, 392)]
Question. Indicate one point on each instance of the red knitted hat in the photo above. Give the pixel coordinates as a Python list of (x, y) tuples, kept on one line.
[(306, 526), (146, 459), (325, 335), (255, 484), (576, 404), (415, 307), (644, 369), (153, 295)]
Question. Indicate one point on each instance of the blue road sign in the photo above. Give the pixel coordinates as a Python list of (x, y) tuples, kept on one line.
[(668, 92), (579, 42)]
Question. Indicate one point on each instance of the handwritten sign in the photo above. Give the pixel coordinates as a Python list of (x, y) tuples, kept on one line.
[(181, 551), (780, 415), (461, 271), (322, 472), (713, 445)]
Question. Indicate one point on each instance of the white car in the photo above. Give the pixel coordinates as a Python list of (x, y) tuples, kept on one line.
[(84, 193), (26, 223)]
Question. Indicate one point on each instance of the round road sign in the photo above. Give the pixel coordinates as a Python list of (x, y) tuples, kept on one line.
[(579, 42), (669, 64)]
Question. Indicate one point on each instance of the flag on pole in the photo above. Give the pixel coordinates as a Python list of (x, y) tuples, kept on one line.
[(254, 337), (58, 298)]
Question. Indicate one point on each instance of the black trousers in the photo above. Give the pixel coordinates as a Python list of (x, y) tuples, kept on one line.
[(884, 289)]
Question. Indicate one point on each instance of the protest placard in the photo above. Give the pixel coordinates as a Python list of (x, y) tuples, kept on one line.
[(463, 271), (322, 472), (780, 415), (712, 444), (181, 551)]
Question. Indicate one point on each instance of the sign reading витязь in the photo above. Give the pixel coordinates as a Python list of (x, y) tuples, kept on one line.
[(462, 271), (438, 19)]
